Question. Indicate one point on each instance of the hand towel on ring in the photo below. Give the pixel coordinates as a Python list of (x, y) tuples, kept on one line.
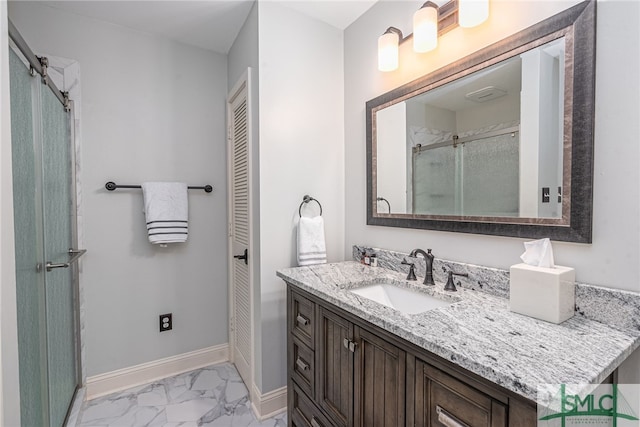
[(311, 244)]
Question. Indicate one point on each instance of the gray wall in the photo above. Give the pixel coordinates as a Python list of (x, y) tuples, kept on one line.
[(153, 110), (297, 149), (244, 51), (301, 152), (612, 259)]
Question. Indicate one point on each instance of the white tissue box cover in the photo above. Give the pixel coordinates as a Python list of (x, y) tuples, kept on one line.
[(544, 293)]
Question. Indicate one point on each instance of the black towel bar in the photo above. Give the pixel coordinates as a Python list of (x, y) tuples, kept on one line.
[(307, 199), (112, 186)]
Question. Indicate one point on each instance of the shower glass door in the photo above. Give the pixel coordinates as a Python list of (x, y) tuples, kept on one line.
[(479, 176), (59, 292), (44, 209)]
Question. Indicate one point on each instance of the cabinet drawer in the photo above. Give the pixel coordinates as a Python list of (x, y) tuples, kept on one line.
[(303, 366), (301, 318), (303, 412), (444, 400)]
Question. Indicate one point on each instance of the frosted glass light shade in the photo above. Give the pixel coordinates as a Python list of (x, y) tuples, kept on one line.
[(388, 51), (472, 12), (425, 28)]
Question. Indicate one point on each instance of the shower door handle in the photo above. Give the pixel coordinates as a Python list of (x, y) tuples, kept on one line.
[(75, 255)]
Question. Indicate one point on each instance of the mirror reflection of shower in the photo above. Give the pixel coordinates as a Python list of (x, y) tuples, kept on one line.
[(474, 175), (489, 144), (382, 199)]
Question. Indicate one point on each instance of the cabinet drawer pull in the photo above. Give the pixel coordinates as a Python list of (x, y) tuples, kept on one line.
[(303, 366), (314, 422), (447, 419), (303, 321), (349, 345)]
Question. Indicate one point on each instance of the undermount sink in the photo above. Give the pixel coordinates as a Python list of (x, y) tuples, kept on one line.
[(404, 300)]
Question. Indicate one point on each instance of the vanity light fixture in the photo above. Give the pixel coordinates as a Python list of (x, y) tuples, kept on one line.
[(429, 22), (472, 12), (388, 49), (425, 28)]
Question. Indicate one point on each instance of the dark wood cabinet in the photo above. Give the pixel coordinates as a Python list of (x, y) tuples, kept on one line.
[(301, 318), (303, 412), (345, 372), (334, 379), (379, 382), (360, 377), (441, 399)]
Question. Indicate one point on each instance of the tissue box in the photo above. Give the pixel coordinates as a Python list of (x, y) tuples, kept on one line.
[(543, 293)]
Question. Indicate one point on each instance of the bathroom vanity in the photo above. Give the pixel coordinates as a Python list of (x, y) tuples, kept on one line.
[(353, 361)]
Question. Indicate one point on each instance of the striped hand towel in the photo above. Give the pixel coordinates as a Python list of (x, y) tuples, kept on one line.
[(311, 245), (167, 211)]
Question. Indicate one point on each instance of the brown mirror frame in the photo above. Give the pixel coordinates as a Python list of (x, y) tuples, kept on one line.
[(577, 24)]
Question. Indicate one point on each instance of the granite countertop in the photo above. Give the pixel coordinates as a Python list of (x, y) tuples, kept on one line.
[(478, 332)]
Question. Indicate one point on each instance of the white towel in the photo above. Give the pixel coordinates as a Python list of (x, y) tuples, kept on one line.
[(166, 208), (311, 245)]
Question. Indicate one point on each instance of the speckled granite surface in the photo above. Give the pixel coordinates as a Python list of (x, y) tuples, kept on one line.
[(477, 331), (490, 280), (614, 307), (618, 308)]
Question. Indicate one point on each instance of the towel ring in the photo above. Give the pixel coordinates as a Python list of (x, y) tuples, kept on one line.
[(382, 199), (307, 199)]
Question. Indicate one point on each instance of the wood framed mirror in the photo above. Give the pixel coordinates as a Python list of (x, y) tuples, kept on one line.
[(499, 142)]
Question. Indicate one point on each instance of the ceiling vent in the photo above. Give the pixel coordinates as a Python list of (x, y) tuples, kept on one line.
[(485, 94)]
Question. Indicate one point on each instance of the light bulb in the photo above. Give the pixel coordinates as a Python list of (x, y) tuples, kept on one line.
[(472, 12), (425, 28), (388, 51)]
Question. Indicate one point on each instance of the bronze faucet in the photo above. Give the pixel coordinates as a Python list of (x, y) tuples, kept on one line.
[(428, 258)]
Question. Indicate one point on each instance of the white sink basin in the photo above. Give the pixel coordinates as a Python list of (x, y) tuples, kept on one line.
[(404, 300)]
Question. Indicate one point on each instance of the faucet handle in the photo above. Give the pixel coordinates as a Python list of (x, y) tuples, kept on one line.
[(412, 269), (450, 286)]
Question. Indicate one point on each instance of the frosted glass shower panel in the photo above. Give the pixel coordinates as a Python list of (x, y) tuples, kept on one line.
[(28, 245), (490, 176), (58, 202), (434, 181), (44, 218)]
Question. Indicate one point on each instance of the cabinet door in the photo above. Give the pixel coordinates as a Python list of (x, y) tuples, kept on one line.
[(379, 382), (334, 367), (441, 399)]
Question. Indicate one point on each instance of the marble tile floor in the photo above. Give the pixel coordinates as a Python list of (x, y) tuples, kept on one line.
[(211, 396)]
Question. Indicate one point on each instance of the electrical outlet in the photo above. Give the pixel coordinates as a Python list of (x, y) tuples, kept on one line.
[(166, 322), (545, 194)]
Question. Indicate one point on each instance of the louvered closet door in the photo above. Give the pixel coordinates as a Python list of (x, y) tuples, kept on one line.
[(240, 241)]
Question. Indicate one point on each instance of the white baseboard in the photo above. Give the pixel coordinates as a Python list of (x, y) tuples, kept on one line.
[(269, 404), (122, 379)]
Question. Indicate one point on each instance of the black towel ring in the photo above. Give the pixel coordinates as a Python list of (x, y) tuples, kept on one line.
[(307, 199)]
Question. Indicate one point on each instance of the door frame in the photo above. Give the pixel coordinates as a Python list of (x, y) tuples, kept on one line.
[(243, 81)]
